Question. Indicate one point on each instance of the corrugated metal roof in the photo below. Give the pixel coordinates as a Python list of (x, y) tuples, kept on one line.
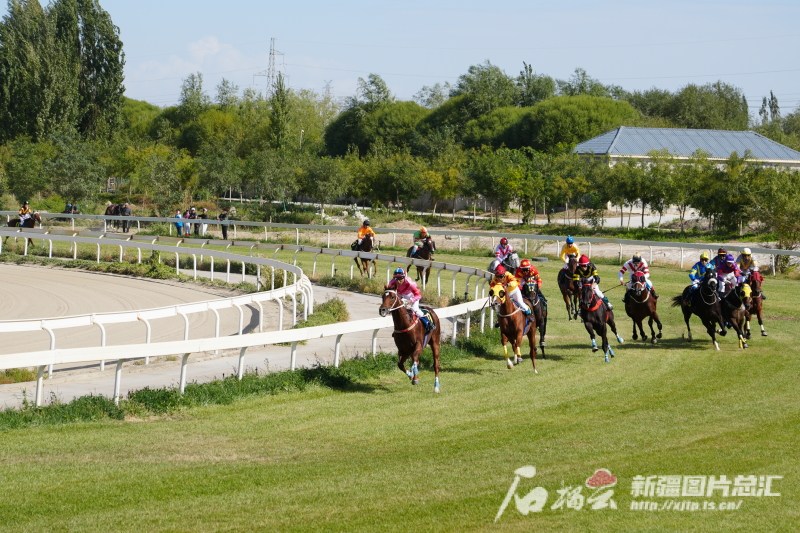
[(625, 141)]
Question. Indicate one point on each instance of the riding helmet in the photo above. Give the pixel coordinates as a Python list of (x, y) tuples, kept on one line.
[(704, 255), (636, 258), (570, 240), (500, 271), (423, 229), (729, 259), (746, 251), (583, 261), (721, 251), (25, 202), (504, 241), (399, 273), (525, 264), (366, 223)]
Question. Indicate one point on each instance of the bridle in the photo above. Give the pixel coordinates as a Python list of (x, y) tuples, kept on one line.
[(402, 303), (714, 295)]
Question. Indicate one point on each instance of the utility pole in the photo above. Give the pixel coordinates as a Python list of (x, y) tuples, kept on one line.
[(270, 73)]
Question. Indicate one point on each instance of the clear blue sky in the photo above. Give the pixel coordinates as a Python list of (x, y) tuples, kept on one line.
[(635, 44)]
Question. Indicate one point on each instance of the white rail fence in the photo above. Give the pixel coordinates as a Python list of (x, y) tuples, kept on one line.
[(522, 239), (53, 356)]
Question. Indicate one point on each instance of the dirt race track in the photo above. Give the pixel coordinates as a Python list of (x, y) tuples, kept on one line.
[(29, 292)]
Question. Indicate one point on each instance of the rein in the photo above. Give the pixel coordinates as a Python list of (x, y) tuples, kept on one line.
[(400, 306), (646, 298)]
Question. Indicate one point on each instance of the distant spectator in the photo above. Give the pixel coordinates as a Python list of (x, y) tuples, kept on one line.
[(224, 216), (201, 228), (179, 225), (125, 211)]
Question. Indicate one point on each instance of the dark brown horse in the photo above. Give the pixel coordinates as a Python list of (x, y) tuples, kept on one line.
[(36, 218), (735, 304), (703, 302), (538, 307), (757, 303), (640, 305), (513, 326), (597, 318), (114, 210), (366, 266), (410, 336), (425, 252), (567, 286)]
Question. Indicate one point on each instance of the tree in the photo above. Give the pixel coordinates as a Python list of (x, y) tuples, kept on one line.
[(325, 179), (271, 175), (27, 177), (533, 88), (219, 169), (193, 100), (433, 96), (75, 170), (372, 92), (279, 104), (582, 84), (486, 87), (776, 203), (227, 94), (687, 181), (716, 106)]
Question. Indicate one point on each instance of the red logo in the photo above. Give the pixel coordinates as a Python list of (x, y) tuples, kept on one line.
[(601, 478)]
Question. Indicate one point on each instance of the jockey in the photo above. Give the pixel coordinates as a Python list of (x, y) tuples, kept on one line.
[(505, 278), (748, 264), (633, 265), (408, 290), (363, 231), (569, 248), (528, 275), (728, 273), (717, 261), (24, 213), (503, 250), (588, 271), (419, 236), (699, 270)]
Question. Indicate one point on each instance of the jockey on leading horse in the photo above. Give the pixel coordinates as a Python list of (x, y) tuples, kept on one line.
[(697, 273), (587, 270), (633, 265), (408, 290), (528, 276), (748, 264), (419, 237), (505, 278), (728, 274)]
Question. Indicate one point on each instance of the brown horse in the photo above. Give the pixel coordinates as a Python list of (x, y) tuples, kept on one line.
[(425, 252), (366, 266), (114, 210), (513, 326), (29, 223), (539, 311), (757, 303), (705, 303), (597, 318), (735, 305), (410, 336), (640, 305), (567, 286)]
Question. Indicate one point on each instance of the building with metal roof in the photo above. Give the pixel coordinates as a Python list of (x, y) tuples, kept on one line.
[(636, 143)]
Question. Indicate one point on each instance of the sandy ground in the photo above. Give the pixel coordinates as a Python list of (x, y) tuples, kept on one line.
[(29, 292)]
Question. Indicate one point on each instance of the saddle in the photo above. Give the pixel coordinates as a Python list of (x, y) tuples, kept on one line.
[(354, 246)]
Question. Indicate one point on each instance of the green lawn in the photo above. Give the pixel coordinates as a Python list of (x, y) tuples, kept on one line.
[(385, 456)]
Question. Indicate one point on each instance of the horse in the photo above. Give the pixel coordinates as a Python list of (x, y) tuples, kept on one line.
[(370, 266), (513, 326), (597, 318), (639, 305), (703, 302), (29, 223), (735, 304), (568, 291), (757, 303), (538, 307), (425, 252), (114, 210), (410, 336)]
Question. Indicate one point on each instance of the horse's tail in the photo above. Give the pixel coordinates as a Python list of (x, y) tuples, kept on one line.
[(677, 301)]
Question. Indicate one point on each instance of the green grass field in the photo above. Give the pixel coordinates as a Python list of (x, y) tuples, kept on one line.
[(385, 456)]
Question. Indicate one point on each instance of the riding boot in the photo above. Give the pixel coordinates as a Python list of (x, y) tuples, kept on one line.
[(763, 296), (541, 296), (425, 323), (653, 292), (625, 298), (608, 304)]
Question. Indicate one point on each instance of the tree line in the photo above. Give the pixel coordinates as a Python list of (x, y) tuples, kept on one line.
[(66, 127)]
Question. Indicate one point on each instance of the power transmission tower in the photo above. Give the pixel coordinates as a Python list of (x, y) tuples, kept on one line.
[(270, 72), (328, 90)]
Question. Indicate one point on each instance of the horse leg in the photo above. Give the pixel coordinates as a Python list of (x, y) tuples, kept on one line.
[(575, 306), (518, 346), (590, 330), (504, 340), (401, 365), (610, 322), (711, 329), (652, 331), (640, 322), (603, 332), (760, 321), (532, 343), (415, 368), (655, 317), (634, 335), (687, 314), (434, 343), (567, 302), (542, 330)]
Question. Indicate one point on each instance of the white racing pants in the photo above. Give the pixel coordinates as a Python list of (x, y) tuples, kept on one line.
[(516, 295)]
